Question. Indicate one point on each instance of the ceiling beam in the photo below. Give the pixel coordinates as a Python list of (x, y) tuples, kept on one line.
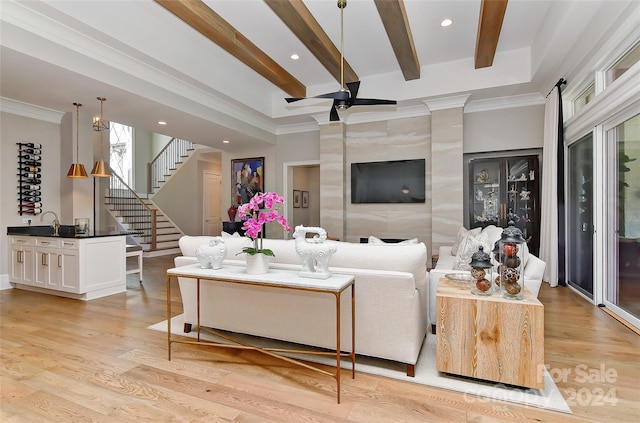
[(204, 20), (489, 27), (394, 19), (301, 22)]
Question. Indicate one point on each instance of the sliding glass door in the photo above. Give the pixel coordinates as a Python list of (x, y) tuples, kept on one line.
[(622, 289), (580, 216)]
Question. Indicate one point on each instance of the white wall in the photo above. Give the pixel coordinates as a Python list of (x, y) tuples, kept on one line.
[(14, 129), (505, 129)]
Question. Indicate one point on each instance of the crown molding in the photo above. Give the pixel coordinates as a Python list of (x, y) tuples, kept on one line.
[(524, 100), (444, 103), (19, 108)]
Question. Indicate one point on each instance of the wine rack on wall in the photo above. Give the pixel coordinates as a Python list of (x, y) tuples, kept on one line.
[(29, 178)]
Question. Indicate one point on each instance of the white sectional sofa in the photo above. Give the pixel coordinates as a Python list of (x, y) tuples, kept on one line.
[(390, 289), (451, 255)]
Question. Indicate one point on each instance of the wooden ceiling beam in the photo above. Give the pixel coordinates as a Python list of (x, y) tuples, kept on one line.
[(395, 21), (301, 22), (204, 20), (489, 27)]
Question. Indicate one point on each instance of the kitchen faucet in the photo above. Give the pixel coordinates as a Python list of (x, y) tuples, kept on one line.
[(55, 222)]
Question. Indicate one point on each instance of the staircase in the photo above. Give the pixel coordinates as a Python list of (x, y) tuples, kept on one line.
[(156, 233)]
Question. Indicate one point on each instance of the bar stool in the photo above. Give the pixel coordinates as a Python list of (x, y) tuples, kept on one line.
[(135, 251)]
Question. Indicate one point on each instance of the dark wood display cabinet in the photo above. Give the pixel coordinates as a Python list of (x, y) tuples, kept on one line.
[(503, 188)]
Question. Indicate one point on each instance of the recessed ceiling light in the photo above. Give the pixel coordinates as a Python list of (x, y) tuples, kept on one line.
[(446, 22), (225, 141), (294, 56), (161, 122)]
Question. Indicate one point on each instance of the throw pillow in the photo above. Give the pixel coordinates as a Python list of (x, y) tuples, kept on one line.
[(227, 235), (462, 232), (469, 245), (375, 240)]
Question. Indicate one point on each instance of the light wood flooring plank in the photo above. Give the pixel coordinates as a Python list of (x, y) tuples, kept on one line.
[(96, 361)]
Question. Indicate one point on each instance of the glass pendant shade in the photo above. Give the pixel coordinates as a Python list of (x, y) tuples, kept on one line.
[(101, 170), (77, 169)]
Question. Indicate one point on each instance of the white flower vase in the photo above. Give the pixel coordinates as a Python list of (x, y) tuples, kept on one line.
[(257, 264)]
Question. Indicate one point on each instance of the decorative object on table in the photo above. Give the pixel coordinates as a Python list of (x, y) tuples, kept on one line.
[(314, 251), (481, 272), (211, 256), (511, 263), (496, 257), (261, 209), (81, 225), (305, 199), (459, 277), (247, 176), (29, 178), (296, 199), (232, 211), (483, 176)]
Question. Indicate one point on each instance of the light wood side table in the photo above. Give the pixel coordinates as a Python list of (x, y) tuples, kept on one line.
[(489, 337)]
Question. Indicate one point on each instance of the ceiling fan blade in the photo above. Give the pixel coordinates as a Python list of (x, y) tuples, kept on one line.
[(291, 100), (371, 102), (333, 114), (353, 89)]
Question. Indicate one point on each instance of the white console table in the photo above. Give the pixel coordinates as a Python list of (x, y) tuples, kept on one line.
[(276, 279)]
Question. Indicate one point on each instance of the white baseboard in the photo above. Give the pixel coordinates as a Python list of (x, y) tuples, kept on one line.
[(4, 282)]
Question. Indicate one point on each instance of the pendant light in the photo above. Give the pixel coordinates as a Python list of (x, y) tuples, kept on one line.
[(100, 169), (77, 169)]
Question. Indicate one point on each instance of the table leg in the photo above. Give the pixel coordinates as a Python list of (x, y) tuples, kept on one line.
[(338, 351), (353, 331), (169, 316)]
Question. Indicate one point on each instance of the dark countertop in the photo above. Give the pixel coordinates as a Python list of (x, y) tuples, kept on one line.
[(65, 231)]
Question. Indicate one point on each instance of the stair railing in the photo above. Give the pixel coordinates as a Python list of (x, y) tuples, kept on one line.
[(160, 167), (133, 209)]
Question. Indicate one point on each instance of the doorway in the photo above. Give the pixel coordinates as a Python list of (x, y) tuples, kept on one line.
[(304, 178), (211, 187)]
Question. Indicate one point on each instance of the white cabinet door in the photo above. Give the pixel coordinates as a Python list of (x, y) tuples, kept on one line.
[(22, 265), (45, 268), (67, 270)]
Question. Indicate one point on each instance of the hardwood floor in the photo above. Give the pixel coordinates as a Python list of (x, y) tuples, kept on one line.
[(66, 360)]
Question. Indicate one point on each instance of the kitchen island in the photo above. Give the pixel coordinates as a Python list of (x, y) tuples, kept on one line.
[(78, 266)]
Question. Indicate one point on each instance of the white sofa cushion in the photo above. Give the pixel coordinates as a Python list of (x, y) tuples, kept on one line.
[(462, 233)]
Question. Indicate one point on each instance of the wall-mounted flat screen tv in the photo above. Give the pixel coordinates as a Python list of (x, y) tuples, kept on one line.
[(398, 181)]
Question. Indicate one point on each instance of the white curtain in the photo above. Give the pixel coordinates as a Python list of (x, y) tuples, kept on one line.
[(548, 197)]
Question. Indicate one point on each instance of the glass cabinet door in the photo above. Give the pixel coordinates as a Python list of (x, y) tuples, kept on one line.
[(504, 188), (486, 202), (521, 198)]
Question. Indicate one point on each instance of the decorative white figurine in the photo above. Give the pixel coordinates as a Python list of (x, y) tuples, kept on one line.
[(211, 255), (525, 195), (314, 252)]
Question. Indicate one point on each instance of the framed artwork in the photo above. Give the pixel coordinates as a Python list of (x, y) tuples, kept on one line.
[(248, 179), (305, 199), (296, 198)]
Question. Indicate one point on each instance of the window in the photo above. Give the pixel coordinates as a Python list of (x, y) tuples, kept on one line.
[(584, 98), (621, 66), (121, 158)]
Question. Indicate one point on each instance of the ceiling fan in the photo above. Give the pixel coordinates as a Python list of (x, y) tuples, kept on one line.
[(346, 97)]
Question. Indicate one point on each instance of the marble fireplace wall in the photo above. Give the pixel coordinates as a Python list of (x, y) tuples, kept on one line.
[(398, 139), (447, 169), (332, 179)]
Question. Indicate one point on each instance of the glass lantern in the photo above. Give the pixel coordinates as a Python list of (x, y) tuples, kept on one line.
[(496, 257), (511, 266), (481, 271)]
